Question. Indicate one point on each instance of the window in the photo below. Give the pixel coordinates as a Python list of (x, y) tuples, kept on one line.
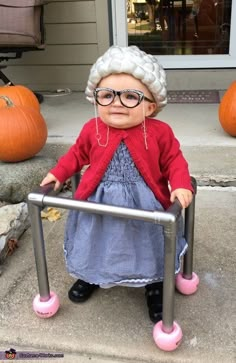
[(183, 33)]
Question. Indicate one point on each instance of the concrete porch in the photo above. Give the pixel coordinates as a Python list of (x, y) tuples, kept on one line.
[(209, 150), (114, 326)]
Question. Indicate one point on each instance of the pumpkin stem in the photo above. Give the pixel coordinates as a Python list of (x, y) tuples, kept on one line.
[(8, 101)]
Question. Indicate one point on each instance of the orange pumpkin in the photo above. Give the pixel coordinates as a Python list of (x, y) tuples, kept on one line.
[(20, 96), (23, 132), (227, 110)]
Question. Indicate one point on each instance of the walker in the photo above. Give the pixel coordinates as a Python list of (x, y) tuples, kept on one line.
[(167, 333)]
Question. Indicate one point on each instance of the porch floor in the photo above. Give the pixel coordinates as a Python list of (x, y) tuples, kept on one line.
[(114, 326), (194, 124)]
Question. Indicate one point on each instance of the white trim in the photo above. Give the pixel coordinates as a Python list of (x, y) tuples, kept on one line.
[(120, 31), (119, 20), (102, 26)]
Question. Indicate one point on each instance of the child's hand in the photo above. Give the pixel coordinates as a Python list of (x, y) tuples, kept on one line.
[(49, 179), (184, 196)]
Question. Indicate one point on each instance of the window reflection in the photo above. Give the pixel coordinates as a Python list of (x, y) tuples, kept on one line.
[(178, 27)]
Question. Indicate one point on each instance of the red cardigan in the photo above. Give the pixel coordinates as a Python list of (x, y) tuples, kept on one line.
[(160, 164)]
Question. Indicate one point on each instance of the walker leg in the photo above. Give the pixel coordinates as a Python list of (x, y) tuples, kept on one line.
[(167, 341), (167, 334), (46, 303), (187, 286), (46, 309), (188, 281)]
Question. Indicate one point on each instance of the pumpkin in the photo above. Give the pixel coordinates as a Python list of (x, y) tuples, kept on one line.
[(23, 132), (20, 96), (227, 110)]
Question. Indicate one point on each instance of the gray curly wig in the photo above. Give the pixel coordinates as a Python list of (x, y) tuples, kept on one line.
[(130, 60)]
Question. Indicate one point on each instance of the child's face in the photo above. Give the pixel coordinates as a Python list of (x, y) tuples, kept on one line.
[(118, 116)]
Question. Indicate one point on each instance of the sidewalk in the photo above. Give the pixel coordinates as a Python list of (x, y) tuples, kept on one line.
[(114, 326)]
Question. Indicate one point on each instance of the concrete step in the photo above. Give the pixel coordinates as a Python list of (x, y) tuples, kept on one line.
[(114, 324), (210, 165), (210, 152)]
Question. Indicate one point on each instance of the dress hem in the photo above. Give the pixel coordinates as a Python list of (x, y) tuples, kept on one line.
[(133, 282)]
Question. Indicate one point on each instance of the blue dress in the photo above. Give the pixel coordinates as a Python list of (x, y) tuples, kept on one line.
[(108, 251)]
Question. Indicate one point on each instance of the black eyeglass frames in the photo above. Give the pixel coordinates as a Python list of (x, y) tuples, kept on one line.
[(129, 98)]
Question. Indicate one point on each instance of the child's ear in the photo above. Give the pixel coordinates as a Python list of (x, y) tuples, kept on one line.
[(151, 109)]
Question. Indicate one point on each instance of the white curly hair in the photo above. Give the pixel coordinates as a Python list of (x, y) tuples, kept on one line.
[(130, 60)]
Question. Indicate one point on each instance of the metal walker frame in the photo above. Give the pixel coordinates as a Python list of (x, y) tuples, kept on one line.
[(168, 219)]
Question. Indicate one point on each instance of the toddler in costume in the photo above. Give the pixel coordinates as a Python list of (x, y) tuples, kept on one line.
[(133, 161)]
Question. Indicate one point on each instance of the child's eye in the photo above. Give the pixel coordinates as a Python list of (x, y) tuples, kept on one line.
[(107, 95), (131, 96)]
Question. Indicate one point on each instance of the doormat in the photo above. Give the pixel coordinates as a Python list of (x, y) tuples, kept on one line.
[(193, 96)]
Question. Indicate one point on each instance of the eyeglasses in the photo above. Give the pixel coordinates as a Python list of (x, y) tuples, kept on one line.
[(129, 98)]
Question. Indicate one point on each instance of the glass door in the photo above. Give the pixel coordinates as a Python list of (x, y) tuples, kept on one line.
[(182, 33)]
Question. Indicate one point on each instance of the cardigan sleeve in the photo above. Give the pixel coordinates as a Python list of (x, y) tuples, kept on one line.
[(73, 161), (173, 165)]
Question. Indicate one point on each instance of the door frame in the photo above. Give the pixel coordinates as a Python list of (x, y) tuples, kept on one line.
[(120, 37)]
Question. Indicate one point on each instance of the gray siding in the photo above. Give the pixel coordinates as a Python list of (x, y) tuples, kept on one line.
[(76, 34)]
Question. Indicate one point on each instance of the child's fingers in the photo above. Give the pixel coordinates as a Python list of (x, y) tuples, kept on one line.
[(172, 197), (45, 181), (48, 179), (57, 185), (184, 197), (179, 197), (183, 200)]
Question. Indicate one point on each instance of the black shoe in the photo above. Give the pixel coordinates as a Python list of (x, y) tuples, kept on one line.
[(154, 295), (81, 291)]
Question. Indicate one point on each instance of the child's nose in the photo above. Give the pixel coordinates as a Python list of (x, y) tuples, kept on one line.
[(117, 99)]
